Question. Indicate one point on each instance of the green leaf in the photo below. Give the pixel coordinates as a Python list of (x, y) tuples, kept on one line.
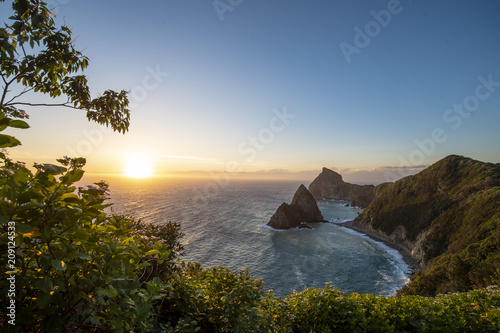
[(151, 252), (81, 255), (81, 234), (59, 265), (45, 284), (129, 302), (70, 197), (43, 299), (142, 265), (4, 219), (4, 122), (8, 141), (107, 292), (18, 124), (72, 176), (142, 309), (23, 228)]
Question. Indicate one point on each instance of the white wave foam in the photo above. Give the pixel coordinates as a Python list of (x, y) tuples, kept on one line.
[(385, 276), (392, 253), (265, 226), (338, 220), (299, 276)]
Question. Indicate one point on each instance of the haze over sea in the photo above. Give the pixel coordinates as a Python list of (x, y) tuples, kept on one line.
[(225, 225)]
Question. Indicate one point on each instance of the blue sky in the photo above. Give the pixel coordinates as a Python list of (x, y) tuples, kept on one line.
[(209, 79)]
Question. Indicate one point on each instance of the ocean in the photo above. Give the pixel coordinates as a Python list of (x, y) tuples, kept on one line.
[(224, 223)]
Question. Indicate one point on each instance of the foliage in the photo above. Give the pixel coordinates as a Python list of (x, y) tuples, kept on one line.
[(329, 310), (454, 203), (169, 234), (325, 310), (78, 268), (38, 56), (212, 300)]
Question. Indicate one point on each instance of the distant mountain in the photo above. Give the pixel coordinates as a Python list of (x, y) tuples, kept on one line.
[(330, 185), (448, 216), (302, 209)]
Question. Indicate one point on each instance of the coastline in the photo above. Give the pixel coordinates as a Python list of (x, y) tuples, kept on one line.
[(410, 261)]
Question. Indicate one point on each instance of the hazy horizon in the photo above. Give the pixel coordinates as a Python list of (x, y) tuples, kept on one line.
[(350, 175)]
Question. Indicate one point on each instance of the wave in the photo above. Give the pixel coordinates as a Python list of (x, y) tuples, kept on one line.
[(339, 220), (392, 253), (265, 226)]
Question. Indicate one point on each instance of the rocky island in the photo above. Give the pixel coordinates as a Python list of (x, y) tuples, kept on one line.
[(302, 209), (330, 185)]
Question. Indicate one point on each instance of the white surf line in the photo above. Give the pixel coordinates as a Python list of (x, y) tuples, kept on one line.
[(398, 257)]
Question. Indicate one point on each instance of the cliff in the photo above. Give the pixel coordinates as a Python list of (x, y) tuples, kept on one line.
[(302, 209), (448, 216), (329, 185)]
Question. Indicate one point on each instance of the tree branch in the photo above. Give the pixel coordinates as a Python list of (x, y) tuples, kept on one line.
[(19, 95), (3, 78), (24, 51), (46, 104), (5, 89)]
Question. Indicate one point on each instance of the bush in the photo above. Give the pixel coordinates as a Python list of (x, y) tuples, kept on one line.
[(77, 268), (212, 300), (329, 310)]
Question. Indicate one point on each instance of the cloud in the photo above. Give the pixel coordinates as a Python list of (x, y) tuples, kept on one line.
[(380, 174), (191, 158)]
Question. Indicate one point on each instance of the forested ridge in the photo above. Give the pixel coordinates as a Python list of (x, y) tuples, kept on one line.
[(448, 215)]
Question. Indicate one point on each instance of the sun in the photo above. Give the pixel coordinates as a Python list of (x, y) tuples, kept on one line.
[(138, 167)]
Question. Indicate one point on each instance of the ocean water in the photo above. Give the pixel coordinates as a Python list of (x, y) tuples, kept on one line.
[(224, 224)]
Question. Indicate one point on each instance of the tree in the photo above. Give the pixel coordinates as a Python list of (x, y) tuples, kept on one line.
[(38, 56), (71, 265)]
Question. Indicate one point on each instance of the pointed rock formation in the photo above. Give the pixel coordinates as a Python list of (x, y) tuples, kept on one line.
[(329, 185), (302, 209)]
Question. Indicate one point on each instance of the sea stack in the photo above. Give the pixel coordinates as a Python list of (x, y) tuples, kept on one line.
[(330, 185), (302, 209)]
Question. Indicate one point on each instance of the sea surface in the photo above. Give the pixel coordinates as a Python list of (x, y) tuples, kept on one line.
[(224, 223)]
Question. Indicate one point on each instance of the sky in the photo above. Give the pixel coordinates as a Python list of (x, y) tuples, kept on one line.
[(374, 89)]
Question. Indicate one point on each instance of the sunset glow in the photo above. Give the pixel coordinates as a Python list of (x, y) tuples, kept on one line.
[(138, 167)]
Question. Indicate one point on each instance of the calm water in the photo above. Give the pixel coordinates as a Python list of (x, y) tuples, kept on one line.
[(224, 224)]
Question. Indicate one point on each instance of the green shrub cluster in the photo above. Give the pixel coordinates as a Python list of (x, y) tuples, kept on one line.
[(77, 267), (329, 310)]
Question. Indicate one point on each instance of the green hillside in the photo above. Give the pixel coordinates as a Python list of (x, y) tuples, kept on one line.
[(448, 216)]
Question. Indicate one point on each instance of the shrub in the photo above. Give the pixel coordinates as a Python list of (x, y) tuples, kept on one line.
[(77, 268), (212, 300)]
